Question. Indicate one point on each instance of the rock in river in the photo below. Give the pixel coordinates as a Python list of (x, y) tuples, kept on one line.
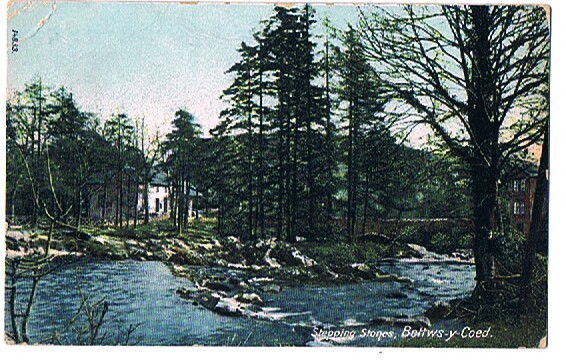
[(228, 307), (392, 277), (250, 298), (270, 288), (439, 310)]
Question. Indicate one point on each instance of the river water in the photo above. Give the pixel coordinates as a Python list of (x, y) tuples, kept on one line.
[(143, 294)]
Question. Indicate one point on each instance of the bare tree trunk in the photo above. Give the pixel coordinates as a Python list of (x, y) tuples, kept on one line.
[(484, 179), (12, 303), (188, 203), (261, 208), (128, 202), (250, 175), (537, 223), (293, 204), (281, 174), (136, 207), (484, 195), (146, 202), (196, 205), (117, 208), (329, 137), (349, 177), (174, 202), (121, 203), (105, 200), (366, 202), (79, 213), (25, 318)]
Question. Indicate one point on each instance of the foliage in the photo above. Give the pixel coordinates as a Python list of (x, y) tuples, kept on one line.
[(341, 253), (301, 146), (509, 250), (477, 77), (52, 145), (274, 116), (181, 159), (444, 240)]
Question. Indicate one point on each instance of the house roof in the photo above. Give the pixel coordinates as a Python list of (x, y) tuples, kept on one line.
[(100, 178), (159, 179), (529, 171)]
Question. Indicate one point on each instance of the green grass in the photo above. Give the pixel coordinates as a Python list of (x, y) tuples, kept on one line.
[(155, 229)]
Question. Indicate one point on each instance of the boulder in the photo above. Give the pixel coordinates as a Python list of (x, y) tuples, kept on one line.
[(249, 298), (270, 288), (216, 285), (324, 271), (187, 258), (206, 299), (228, 307), (303, 259), (270, 261), (222, 262), (439, 310), (15, 236), (76, 233), (392, 277), (234, 242), (365, 268), (363, 271), (375, 238), (233, 281)]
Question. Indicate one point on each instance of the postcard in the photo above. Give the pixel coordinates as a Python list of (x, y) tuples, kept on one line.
[(277, 175)]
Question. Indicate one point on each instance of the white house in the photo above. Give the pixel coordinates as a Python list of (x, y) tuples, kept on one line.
[(159, 197)]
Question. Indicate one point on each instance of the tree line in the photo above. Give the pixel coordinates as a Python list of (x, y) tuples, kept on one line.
[(54, 150), (308, 126), (310, 143), (305, 147)]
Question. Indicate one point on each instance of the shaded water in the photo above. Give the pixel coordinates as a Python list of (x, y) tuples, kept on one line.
[(144, 293)]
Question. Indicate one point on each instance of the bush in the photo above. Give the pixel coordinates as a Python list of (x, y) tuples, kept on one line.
[(442, 241), (345, 253), (508, 251)]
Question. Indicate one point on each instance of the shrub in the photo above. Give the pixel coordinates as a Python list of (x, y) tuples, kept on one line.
[(440, 240), (508, 250)]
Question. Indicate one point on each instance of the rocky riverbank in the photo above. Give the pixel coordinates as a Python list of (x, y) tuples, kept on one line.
[(231, 277)]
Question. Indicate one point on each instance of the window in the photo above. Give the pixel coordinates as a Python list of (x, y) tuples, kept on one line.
[(157, 189), (520, 185), (519, 208)]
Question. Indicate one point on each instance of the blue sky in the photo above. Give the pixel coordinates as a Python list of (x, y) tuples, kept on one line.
[(147, 60)]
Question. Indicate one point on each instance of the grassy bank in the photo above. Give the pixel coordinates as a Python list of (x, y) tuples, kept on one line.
[(342, 253)]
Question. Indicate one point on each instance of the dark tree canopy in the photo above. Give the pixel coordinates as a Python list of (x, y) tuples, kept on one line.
[(478, 77)]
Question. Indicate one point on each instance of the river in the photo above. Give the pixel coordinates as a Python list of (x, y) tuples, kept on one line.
[(143, 293)]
